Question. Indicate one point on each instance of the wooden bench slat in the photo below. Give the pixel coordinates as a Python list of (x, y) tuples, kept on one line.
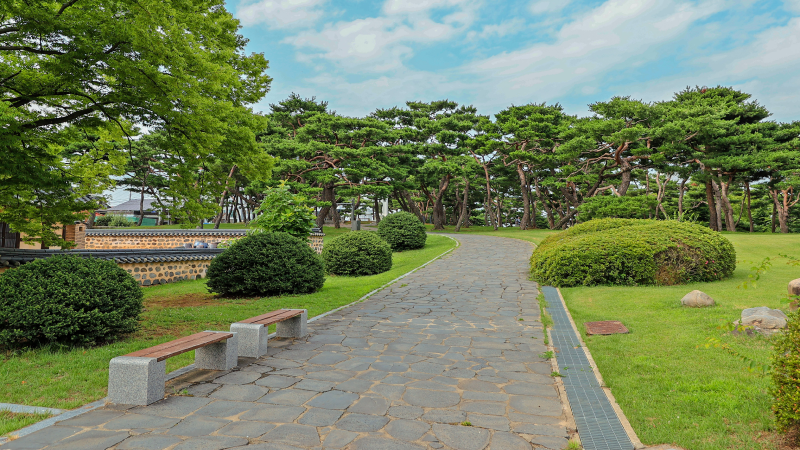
[(181, 345), (274, 316), (288, 314), (175, 343)]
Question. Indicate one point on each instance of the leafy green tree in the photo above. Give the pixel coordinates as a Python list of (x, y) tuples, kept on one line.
[(284, 211), (331, 154), (437, 133), (89, 67), (719, 131), (531, 134)]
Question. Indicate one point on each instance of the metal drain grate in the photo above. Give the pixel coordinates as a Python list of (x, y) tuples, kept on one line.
[(598, 425)]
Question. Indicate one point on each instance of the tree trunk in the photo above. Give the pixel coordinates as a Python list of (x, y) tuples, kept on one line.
[(526, 202), (774, 212), (327, 196), (412, 205), (749, 213), (712, 209), (337, 218), (781, 204), (464, 211), (680, 199), (438, 205), (725, 202), (625, 182), (222, 198), (141, 203)]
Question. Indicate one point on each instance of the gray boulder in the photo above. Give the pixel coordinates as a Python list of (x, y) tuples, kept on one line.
[(697, 299), (764, 319), (794, 287)]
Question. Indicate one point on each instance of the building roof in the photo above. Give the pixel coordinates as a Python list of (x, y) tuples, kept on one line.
[(15, 257), (133, 205)]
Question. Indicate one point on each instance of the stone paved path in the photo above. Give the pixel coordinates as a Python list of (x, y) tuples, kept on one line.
[(458, 341)]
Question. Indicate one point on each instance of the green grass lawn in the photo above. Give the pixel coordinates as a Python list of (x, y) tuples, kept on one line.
[(14, 421), (671, 390), (70, 377), (534, 236)]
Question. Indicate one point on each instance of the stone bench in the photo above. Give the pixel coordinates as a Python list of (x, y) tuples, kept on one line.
[(253, 332), (138, 378)]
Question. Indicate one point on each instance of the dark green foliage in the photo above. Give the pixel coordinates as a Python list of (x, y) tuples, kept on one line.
[(785, 369), (403, 231), (611, 206), (112, 220), (357, 253), (632, 252), (67, 300), (266, 264)]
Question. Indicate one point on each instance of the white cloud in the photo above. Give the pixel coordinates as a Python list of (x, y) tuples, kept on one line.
[(792, 5), (505, 28), (380, 44), (280, 13), (386, 91), (612, 37), (418, 6), (548, 6)]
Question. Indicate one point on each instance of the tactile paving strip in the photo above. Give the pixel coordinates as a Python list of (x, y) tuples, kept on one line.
[(598, 425)]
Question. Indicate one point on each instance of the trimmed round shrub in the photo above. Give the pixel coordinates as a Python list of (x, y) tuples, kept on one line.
[(633, 252), (67, 300), (403, 231), (357, 253), (266, 264), (785, 367)]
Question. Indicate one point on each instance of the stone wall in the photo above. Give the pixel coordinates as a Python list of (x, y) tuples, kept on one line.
[(316, 241), (153, 273), (115, 239), (104, 239)]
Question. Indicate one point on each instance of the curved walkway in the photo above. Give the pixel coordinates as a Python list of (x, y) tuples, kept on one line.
[(453, 344)]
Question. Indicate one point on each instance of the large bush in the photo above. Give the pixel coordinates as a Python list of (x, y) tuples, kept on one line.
[(266, 264), (632, 252), (403, 231), (785, 370), (67, 300), (283, 210), (357, 253)]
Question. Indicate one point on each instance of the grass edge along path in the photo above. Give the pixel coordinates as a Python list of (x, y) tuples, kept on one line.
[(69, 378), (673, 389)]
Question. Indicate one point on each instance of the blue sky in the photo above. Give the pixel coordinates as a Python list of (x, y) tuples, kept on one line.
[(361, 55)]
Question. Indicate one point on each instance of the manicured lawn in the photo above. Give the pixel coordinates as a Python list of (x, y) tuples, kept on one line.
[(534, 236), (14, 421), (671, 390), (70, 377)]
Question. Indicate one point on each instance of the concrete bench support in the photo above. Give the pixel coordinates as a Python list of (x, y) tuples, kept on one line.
[(253, 339), (136, 381), (296, 327), (139, 380), (223, 355), (253, 332)]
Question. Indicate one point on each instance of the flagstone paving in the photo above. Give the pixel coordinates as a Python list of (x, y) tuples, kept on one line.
[(456, 342)]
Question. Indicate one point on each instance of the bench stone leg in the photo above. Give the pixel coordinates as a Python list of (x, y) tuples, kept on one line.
[(294, 327), (222, 355), (136, 381), (252, 339)]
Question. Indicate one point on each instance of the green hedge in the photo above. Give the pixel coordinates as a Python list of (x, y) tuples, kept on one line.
[(357, 253), (266, 264), (403, 231), (632, 252), (67, 300), (785, 368)]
